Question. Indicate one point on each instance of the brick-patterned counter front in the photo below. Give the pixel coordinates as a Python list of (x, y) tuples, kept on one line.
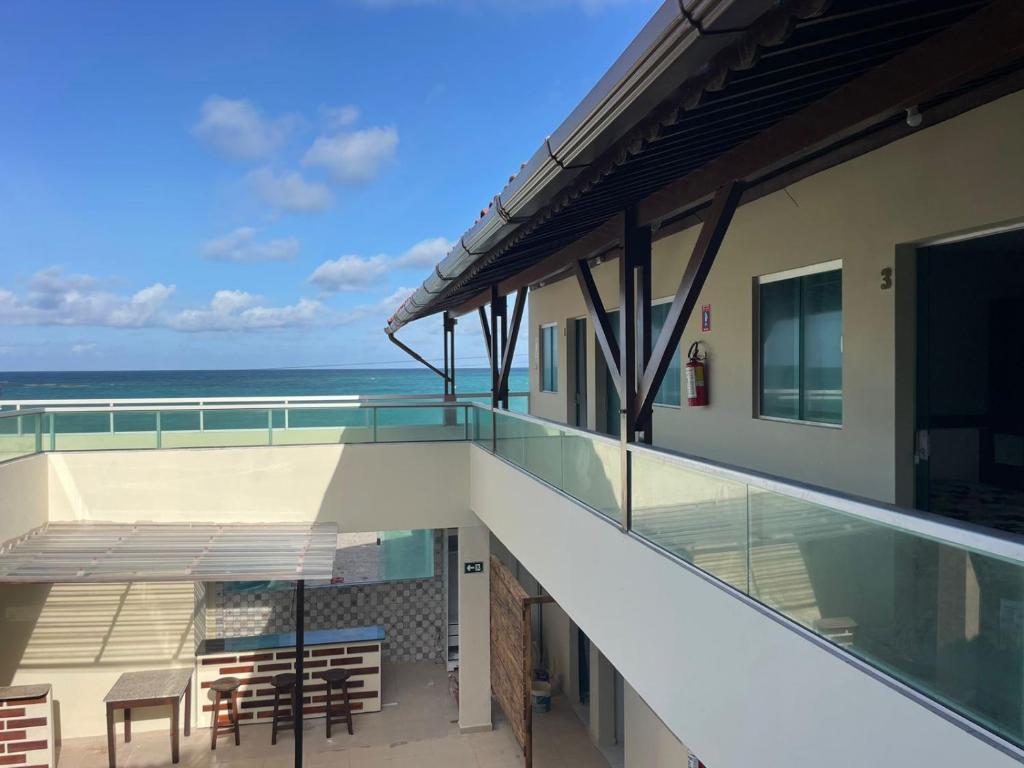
[(256, 665), (26, 726)]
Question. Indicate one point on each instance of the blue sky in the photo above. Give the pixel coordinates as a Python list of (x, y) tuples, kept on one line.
[(234, 185)]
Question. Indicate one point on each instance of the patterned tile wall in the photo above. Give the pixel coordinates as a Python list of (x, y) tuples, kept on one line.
[(412, 612)]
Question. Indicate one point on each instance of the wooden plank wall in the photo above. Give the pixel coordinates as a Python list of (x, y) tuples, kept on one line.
[(511, 662)]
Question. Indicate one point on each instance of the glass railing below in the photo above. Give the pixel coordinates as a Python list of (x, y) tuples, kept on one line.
[(20, 434), (939, 616)]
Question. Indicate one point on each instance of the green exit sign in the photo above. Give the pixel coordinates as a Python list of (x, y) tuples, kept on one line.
[(477, 566)]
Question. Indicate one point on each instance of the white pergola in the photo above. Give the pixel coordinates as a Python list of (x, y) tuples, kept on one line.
[(95, 552), (92, 552)]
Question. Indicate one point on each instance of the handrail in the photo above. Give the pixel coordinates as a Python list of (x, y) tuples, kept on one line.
[(227, 407), (541, 421), (21, 412), (272, 399), (931, 526)]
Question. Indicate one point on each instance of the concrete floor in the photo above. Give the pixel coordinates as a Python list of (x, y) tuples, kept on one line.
[(418, 730)]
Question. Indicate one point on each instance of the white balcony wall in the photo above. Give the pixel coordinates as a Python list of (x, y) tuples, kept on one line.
[(732, 684), (360, 487), (22, 496)]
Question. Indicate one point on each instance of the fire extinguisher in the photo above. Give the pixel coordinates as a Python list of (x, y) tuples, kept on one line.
[(696, 376), (692, 761)]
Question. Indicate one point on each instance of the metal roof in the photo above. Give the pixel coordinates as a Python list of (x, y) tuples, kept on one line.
[(795, 55), (92, 552)]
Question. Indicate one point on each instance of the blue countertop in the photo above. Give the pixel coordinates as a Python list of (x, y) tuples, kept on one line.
[(373, 634)]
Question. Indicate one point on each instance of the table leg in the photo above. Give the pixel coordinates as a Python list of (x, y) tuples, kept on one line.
[(188, 708), (111, 744), (127, 725), (174, 729)]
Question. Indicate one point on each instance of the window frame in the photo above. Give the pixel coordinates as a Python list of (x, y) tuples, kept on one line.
[(544, 327), (678, 406), (778, 277)]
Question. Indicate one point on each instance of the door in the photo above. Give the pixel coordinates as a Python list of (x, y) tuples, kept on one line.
[(969, 452), (583, 667), (579, 390)]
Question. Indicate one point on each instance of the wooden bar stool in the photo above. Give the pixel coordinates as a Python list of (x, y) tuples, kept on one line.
[(339, 678), (284, 684), (225, 687)]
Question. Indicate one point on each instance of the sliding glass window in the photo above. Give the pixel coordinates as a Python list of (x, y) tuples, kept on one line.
[(549, 358), (800, 322), (669, 392)]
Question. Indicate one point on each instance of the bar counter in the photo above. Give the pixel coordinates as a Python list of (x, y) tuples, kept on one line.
[(255, 660)]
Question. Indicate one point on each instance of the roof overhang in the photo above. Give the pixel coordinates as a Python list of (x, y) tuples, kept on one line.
[(92, 552), (809, 84)]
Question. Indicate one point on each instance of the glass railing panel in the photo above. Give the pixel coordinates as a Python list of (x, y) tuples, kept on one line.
[(217, 429), (312, 426), (18, 436), (509, 438), (399, 424), (944, 620), (482, 427), (592, 473), (698, 516), (95, 431)]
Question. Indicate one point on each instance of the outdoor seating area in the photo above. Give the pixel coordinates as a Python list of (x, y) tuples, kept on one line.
[(416, 727)]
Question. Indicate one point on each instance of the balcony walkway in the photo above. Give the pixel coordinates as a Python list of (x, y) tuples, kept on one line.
[(420, 732)]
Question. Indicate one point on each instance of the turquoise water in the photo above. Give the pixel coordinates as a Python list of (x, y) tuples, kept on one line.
[(75, 385), (68, 385)]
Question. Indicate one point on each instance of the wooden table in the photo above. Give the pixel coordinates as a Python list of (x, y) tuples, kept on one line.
[(149, 689)]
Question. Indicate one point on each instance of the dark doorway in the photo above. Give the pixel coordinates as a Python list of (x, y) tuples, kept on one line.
[(970, 359), (583, 665), (579, 389)]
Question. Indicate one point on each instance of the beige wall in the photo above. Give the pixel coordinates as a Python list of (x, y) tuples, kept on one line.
[(474, 630), (961, 175), (22, 496), (81, 637), (359, 487), (649, 744)]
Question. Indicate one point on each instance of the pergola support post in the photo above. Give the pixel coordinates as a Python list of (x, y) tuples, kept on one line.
[(509, 347), (599, 320), (300, 649)]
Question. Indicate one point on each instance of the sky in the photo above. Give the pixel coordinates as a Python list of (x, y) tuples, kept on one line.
[(250, 185)]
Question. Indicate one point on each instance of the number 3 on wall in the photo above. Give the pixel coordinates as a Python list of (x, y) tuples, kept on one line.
[(886, 278)]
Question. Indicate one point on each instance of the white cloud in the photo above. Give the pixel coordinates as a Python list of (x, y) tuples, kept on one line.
[(340, 117), (426, 253), (241, 311), (289, 191), (356, 156), (57, 298), (240, 245), (237, 128), (82, 348), (349, 273)]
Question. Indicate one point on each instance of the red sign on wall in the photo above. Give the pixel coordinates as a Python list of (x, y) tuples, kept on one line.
[(705, 318)]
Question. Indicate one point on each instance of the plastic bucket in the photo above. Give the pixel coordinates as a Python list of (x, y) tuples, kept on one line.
[(541, 694)]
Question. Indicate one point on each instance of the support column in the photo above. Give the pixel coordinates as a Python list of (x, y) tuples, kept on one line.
[(602, 698), (474, 631), (300, 645)]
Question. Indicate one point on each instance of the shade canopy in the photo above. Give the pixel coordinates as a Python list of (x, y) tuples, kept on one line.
[(90, 552)]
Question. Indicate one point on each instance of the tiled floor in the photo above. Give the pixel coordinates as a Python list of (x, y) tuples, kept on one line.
[(416, 729)]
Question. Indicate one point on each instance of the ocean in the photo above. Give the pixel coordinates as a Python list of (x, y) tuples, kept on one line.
[(68, 385)]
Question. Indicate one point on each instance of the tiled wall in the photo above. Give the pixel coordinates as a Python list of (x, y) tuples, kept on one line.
[(26, 731), (411, 612)]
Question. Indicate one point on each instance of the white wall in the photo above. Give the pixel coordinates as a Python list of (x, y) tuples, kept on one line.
[(22, 496), (649, 743), (360, 487), (964, 174), (735, 686)]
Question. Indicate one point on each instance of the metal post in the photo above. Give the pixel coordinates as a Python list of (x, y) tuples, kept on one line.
[(641, 255), (159, 433), (270, 426), (300, 649), (373, 420), (627, 361), (111, 418), (495, 362), (53, 431), (39, 432)]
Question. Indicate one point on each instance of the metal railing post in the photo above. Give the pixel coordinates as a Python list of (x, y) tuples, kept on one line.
[(494, 430), (159, 431), (373, 419), (111, 419), (39, 433), (270, 427), (53, 431), (465, 416)]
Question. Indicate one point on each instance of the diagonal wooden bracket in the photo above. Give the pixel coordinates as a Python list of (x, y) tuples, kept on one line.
[(704, 252), (599, 319), (510, 349), (417, 357), (484, 325)]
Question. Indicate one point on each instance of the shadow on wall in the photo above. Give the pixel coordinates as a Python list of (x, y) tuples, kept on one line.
[(80, 637)]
